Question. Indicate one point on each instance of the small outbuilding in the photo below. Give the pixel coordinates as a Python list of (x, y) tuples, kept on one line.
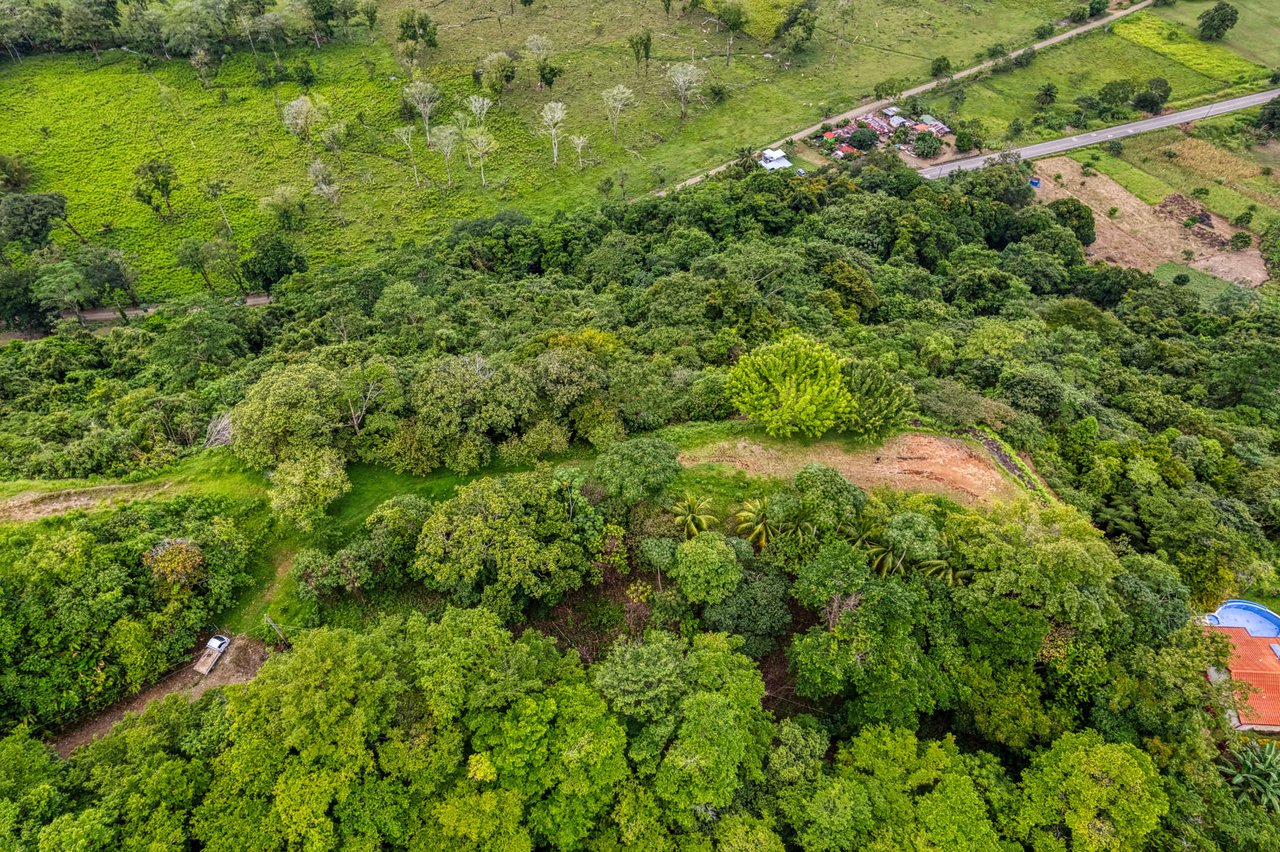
[(773, 159)]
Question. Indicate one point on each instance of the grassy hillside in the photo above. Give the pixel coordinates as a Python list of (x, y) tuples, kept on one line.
[(1137, 48), (86, 126), (1257, 35)]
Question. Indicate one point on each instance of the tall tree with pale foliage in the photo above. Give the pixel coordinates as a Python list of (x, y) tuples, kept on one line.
[(615, 101), (685, 77), (552, 122), (424, 96)]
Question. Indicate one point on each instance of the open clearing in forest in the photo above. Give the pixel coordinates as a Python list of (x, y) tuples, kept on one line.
[(239, 664), (34, 505), (1144, 237), (932, 464)]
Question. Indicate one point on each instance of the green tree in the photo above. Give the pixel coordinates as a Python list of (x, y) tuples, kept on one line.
[(157, 181), (62, 286), (927, 145), (290, 413), (303, 486), (638, 469), (502, 542), (707, 568), (734, 17), (1217, 21), (794, 386), (1096, 795)]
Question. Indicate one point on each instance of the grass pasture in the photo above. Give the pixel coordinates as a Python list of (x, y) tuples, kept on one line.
[(1139, 47), (85, 126), (1256, 36), (1208, 58), (1207, 287)]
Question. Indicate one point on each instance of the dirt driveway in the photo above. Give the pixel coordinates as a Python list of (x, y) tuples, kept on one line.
[(932, 464), (239, 664), (1142, 236)]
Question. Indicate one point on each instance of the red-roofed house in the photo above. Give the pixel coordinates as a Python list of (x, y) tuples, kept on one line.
[(1255, 660)]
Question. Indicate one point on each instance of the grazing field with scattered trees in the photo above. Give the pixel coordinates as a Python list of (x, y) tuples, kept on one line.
[(244, 130)]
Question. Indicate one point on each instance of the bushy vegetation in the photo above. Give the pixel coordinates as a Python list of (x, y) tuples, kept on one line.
[(94, 607), (783, 664)]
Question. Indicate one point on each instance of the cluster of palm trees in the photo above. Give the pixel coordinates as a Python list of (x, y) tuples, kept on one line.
[(889, 551)]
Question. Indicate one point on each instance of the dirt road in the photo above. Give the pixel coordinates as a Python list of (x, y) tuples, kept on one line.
[(239, 664)]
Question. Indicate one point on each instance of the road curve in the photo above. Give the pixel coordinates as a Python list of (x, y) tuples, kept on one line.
[(1120, 131)]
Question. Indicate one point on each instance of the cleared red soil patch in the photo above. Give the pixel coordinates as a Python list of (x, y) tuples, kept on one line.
[(932, 464), (239, 664)]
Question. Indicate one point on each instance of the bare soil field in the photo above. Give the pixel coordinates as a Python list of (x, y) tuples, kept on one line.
[(1142, 236), (239, 664), (930, 464)]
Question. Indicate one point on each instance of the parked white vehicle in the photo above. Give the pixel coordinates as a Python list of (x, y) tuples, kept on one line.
[(212, 651)]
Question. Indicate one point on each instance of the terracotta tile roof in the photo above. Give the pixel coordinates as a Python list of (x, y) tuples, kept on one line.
[(1254, 662)]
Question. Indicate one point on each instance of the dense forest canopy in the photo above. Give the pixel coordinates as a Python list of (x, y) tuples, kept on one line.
[(825, 669)]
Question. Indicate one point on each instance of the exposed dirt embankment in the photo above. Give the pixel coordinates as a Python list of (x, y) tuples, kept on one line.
[(239, 664), (932, 464)]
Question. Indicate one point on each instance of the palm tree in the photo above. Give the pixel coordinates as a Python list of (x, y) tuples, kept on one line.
[(945, 571), (693, 514), (754, 523)]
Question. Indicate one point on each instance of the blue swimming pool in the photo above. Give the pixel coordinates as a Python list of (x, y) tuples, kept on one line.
[(1253, 617)]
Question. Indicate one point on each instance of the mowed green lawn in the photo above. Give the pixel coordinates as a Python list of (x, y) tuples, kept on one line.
[(87, 126), (1256, 36)]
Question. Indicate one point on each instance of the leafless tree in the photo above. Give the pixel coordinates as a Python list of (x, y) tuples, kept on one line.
[(479, 106), (579, 142), (483, 145), (405, 135), (446, 142)]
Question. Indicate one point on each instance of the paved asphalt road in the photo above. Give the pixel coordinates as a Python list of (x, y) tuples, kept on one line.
[(862, 109), (1057, 146)]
